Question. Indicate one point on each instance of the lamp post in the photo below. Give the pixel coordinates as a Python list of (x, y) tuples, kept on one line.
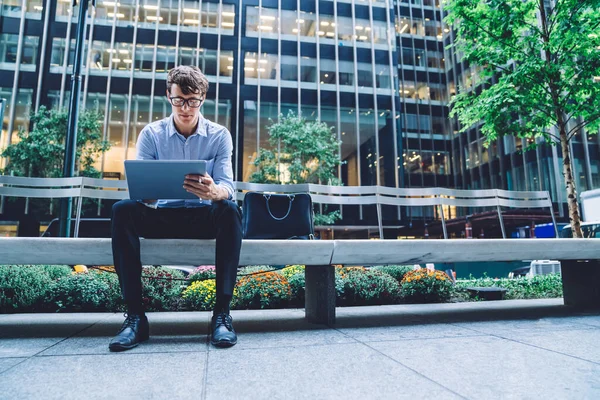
[(66, 204)]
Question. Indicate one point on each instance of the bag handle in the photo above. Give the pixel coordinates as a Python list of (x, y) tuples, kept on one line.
[(290, 198)]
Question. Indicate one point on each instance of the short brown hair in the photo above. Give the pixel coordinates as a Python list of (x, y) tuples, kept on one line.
[(189, 79)]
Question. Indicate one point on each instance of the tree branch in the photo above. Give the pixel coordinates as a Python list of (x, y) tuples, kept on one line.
[(573, 131), (489, 33)]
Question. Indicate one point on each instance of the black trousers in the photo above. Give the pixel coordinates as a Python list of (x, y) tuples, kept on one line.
[(132, 220)]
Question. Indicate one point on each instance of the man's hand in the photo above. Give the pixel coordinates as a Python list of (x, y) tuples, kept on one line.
[(204, 187)]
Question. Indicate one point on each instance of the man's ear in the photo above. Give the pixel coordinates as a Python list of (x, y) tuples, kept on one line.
[(168, 93)]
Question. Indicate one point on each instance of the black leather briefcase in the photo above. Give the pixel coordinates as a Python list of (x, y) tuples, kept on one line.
[(277, 216)]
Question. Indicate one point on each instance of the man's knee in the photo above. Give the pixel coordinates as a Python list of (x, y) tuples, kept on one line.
[(123, 209), (227, 210)]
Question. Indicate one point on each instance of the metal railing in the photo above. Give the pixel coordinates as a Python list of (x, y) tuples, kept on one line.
[(105, 189)]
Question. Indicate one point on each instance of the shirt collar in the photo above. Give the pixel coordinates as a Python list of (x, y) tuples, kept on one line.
[(200, 129)]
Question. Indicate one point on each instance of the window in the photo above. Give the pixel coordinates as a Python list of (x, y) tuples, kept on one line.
[(8, 52)]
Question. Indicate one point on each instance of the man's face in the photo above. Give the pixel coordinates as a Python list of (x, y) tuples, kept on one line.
[(185, 112)]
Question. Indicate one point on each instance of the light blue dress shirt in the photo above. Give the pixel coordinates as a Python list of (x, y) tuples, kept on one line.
[(211, 142)]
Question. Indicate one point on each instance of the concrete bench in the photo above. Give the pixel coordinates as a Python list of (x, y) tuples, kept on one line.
[(580, 259)]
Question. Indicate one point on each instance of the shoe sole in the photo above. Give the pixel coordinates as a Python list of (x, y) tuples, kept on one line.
[(223, 344)]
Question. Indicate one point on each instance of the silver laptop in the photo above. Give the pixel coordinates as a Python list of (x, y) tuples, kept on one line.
[(161, 179)]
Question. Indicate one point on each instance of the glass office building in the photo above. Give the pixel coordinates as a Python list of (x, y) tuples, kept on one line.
[(376, 71)]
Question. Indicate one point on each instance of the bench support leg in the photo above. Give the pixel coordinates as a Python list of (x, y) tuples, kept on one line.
[(320, 294), (581, 283)]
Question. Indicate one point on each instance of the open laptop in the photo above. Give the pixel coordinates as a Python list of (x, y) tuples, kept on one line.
[(161, 179)]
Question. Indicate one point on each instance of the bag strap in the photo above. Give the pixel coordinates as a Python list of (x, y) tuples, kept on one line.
[(291, 200)]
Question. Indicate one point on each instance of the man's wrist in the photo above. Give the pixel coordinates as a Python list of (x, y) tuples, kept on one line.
[(223, 193)]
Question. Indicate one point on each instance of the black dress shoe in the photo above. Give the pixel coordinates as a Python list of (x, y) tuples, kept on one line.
[(135, 330), (223, 334)]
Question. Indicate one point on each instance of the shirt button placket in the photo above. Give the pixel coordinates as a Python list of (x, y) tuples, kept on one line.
[(186, 149)]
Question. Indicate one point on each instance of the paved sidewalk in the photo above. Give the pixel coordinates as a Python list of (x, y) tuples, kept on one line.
[(521, 349)]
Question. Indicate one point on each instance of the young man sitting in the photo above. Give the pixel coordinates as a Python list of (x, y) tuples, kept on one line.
[(185, 135)]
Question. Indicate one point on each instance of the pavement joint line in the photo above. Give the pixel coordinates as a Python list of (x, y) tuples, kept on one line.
[(428, 338), (51, 346), (204, 392), (409, 368), (122, 353), (540, 347), (293, 346)]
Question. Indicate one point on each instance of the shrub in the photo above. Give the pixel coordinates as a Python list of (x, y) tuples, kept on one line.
[(296, 278), (426, 286), (268, 290), (23, 287), (86, 291), (395, 271), (201, 295), (298, 288), (161, 288), (57, 271), (254, 269), (341, 273), (366, 287), (202, 273), (537, 287), (292, 270)]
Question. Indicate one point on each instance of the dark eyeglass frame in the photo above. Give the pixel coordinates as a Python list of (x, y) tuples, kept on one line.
[(186, 101)]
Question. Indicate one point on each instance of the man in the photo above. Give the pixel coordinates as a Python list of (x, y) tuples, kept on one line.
[(184, 135)]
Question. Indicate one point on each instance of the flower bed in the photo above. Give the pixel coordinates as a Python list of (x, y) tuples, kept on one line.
[(57, 288)]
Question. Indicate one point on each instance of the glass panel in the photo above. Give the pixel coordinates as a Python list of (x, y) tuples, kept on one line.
[(346, 73), (122, 12), (368, 148), (8, 52), (289, 68), (349, 148)]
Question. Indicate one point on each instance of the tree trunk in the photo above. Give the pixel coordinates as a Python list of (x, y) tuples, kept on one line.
[(574, 217)]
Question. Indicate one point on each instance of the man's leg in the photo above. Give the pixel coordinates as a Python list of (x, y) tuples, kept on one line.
[(126, 227), (127, 220), (227, 221)]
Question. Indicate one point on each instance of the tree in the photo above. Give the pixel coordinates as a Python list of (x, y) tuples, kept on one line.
[(301, 152), (539, 70), (40, 152)]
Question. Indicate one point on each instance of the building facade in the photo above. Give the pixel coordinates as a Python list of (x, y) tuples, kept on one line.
[(377, 72)]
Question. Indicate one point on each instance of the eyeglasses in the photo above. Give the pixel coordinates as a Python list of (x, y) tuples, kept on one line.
[(180, 102)]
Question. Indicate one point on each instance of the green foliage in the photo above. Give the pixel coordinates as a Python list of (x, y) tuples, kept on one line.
[(363, 286), (395, 271), (424, 286), (298, 287), (291, 270), (295, 274), (252, 269), (201, 295), (539, 67), (536, 287), (327, 218), (56, 271), (88, 291), (40, 152), (543, 71), (268, 290), (161, 288), (300, 151), (309, 149), (201, 273), (22, 287)]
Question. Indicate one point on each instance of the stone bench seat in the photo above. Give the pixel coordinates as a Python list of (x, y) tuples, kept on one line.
[(580, 259)]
